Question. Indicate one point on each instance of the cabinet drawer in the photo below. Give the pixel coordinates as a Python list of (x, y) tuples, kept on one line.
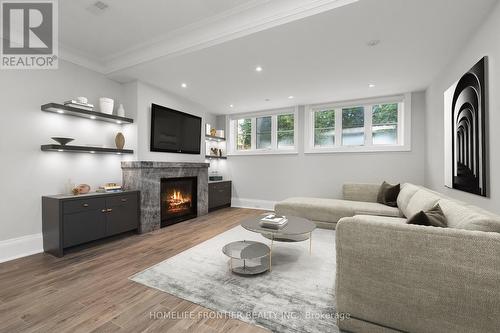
[(122, 200), (83, 205), (220, 185), (83, 227)]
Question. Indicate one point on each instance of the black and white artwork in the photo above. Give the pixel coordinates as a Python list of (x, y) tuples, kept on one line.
[(465, 132)]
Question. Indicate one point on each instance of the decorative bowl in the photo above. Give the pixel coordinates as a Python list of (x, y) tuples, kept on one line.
[(62, 141)]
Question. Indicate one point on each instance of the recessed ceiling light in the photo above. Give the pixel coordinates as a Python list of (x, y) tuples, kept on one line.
[(118, 153), (291, 97), (258, 69), (371, 85), (92, 152), (101, 5), (231, 105), (60, 150), (60, 111), (373, 42), (184, 85), (92, 117), (118, 121)]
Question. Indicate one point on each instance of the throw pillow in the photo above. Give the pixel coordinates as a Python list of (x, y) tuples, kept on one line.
[(388, 194), (434, 217)]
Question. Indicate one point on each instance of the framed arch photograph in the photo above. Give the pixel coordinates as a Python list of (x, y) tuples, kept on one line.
[(465, 122)]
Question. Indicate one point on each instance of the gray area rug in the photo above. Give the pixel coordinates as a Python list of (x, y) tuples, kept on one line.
[(297, 296)]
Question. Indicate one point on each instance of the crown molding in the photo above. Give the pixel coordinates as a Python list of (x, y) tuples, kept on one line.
[(252, 17)]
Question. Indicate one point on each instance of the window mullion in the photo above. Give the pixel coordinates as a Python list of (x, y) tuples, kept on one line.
[(368, 125)]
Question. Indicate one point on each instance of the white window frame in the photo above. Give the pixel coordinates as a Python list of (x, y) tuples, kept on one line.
[(233, 131), (404, 125)]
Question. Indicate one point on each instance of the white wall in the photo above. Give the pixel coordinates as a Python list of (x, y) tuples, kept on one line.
[(27, 173), (484, 43), (276, 177), (146, 95)]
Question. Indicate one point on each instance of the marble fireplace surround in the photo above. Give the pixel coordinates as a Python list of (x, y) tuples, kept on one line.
[(146, 176)]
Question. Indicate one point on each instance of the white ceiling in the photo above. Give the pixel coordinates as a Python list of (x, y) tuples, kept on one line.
[(317, 56)]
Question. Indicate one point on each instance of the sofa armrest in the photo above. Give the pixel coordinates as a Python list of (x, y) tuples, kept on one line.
[(418, 279), (360, 192)]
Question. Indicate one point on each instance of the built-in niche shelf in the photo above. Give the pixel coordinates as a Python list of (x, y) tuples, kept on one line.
[(214, 138), (216, 157), (85, 149), (76, 112)]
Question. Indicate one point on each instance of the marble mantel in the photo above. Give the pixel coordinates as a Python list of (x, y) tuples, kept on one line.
[(146, 176)]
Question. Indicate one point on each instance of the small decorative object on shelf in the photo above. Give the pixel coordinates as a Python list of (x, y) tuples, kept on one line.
[(208, 127), (106, 105), (80, 103), (213, 132), (120, 140), (81, 189), (220, 133), (110, 187), (62, 141), (121, 111)]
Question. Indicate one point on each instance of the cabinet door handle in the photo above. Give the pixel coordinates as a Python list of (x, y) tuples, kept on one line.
[(85, 205), (109, 210), (124, 199)]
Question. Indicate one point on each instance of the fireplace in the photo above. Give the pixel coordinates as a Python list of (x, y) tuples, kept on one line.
[(178, 199)]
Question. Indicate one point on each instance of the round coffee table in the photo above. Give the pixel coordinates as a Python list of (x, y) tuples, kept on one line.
[(298, 229), (243, 251)]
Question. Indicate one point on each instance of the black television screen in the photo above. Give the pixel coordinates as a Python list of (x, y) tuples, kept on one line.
[(173, 131)]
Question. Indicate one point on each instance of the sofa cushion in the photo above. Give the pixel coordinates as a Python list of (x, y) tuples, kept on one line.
[(388, 194), (421, 200), (380, 219), (463, 216), (434, 217), (405, 194), (331, 210)]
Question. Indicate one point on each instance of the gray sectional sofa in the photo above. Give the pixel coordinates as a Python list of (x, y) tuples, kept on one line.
[(395, 277)]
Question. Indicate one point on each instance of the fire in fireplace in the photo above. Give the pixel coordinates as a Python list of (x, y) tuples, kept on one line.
[(178, 200)]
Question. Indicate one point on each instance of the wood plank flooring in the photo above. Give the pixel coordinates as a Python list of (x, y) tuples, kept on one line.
[(88, 289)]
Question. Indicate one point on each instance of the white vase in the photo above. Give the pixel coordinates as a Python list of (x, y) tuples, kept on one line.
[(121, 111), (106, 105)]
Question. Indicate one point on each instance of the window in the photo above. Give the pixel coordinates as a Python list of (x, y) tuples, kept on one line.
[(324, 128), (244, 137), (381, 124), (286, 131), (264, 133), (353, 126), (270, 132), (385, 124)]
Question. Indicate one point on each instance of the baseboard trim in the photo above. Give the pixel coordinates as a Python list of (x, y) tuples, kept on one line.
[(14, 248), (253, 203)]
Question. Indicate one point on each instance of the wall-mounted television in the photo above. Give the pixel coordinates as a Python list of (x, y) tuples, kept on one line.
[(174, 131)]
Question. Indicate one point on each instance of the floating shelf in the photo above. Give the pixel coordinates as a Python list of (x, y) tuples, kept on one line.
[(85, 149), (76, 112), (214, 138), (216, 157)]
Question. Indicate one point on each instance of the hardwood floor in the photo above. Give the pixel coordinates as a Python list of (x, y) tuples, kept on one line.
[(88, 289)]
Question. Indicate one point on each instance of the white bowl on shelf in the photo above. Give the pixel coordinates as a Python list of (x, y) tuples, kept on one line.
[(106, 105)]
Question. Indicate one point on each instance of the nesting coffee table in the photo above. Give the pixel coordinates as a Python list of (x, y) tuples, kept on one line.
[(248, 257), (298, 229)]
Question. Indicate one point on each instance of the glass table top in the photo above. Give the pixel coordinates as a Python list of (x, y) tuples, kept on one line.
[(246, 250)]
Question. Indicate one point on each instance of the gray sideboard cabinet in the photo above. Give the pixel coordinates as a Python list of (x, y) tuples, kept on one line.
[(69, 220)]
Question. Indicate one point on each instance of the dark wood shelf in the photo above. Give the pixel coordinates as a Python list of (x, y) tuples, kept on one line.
[(85, 149), (76, 112), (214, 138), (216, 157)]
